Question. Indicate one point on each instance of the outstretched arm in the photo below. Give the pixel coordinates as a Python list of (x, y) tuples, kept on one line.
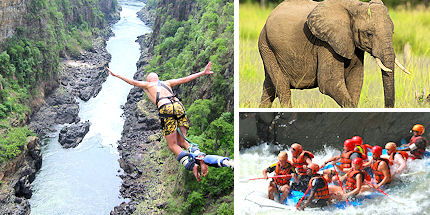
[(175, 82), (141, 84)]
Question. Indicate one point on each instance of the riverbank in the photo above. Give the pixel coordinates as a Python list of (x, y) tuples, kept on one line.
[(149, 167), (79, 77)]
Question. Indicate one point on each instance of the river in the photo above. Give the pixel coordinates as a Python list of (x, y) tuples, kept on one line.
[(413, 190), (85, 179)]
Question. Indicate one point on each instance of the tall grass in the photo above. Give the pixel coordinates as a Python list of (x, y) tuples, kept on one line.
[(412, 26)]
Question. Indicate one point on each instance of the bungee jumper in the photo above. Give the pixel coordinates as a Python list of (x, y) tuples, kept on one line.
[(175, 123)]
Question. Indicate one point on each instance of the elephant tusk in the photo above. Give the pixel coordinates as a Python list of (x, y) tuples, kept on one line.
[(381, 65), (401, 66)]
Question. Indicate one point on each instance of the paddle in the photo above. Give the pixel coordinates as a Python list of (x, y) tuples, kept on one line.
[(340, 183), (252, 179), (371, 185), (298, 204)]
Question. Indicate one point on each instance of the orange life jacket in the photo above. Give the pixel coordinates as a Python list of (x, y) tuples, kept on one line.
[(283, 171), (379, 176), (345, 161), (351, 183), (321, 193), (405, 156), (419, 152), (300, 161)]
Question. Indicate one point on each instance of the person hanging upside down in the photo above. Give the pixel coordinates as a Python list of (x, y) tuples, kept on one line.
[(380, 167), (174, 121), (280, 185), (397, 159), (320, 195)]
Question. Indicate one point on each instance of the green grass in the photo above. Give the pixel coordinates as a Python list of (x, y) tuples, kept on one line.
[(251, 72)]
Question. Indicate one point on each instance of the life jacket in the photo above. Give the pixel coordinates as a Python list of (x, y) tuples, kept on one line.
[(405, 156), (283, 171), (419, 152), (345, 161), (321, 193), (299, 162), (351, 182), (379, 176)]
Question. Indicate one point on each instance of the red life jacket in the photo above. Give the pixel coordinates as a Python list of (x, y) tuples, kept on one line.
[(282, 171), (299, 162), (405, 156), (351, 183), (419, 152), (345, 161), (321, 193), (379, 176)]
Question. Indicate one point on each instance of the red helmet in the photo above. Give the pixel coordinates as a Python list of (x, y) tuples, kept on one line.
[(357, 140), (349, 144), (418, 128), (297, 148), (377, 151), (314, 167), (358, 161)]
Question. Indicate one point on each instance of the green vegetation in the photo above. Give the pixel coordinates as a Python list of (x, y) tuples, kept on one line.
[(409, 88), (31, 58), (184, 47)]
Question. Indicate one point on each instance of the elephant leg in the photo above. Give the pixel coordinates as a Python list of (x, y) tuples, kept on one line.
[(354, 77), (276, 82), (268, 92), (331, 78)]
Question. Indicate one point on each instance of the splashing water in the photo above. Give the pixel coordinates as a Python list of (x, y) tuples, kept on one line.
[(412, 190)]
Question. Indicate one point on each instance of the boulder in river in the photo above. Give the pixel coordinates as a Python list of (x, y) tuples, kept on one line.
[(70, 136)]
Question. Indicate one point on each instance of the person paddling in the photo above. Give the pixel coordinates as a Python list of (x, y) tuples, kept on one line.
[(347, 156), (320, 196), (174, 121), (354, 180), (280, 185), (397, 159), (417, 144), (380, 167), (301, 159)]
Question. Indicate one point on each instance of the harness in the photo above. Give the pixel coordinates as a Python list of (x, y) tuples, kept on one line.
[(282, 171), (299, 162), (345, 159), (379, 176), (171, 99), (321, 193)]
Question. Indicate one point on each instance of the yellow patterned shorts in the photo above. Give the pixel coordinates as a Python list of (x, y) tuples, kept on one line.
[(173, 116)]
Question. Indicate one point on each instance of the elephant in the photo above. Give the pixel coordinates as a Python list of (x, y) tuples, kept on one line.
[(306, 44)]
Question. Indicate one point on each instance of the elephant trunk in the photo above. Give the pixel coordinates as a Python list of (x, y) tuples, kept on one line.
[(388, 77)]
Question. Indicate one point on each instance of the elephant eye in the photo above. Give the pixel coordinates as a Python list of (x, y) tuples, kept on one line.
[(369, 34)]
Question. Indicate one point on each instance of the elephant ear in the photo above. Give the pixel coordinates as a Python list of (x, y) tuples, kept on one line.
[(330, 22)]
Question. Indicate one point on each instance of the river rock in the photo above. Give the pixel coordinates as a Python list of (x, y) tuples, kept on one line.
[(70, 136)]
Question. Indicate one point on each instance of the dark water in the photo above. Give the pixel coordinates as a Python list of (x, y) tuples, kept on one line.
[(84, 180)]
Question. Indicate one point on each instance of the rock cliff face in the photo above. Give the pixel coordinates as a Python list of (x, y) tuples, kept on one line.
[(316, 129), (11, 15), (16, 177)]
